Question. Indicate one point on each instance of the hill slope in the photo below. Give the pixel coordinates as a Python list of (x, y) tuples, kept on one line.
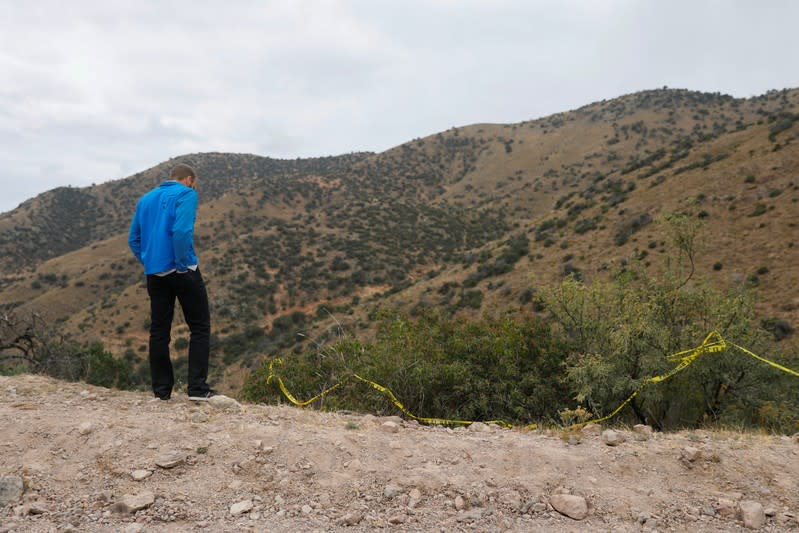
[(469, 220)]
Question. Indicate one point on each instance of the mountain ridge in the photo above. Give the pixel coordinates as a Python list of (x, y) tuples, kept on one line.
[(470, 219)]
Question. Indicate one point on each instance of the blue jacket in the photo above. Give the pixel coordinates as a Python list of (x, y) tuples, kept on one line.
[(162, 232)]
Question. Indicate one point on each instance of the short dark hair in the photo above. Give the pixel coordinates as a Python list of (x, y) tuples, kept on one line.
[(182, 172)]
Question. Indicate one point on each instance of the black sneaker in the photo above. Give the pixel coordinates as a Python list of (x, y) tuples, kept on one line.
[(164, 397), (203, 397)]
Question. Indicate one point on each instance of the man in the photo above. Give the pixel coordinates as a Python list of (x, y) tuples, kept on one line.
[(161, 237)]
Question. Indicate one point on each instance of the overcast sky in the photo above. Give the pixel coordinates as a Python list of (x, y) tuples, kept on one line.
[(98, 90)]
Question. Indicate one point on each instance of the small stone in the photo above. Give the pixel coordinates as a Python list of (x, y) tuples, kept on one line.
[(709, 511), (591, 429), (139, 475), (350, 519), (460, 503), (538, 507), (415, 496), (307, 509), (85, 428), (612, 438), (470, 516), (479, 427), (642, 431), (241, 507), (37, 507), (130, 503), (392, 491), (770, 511), (390, 427), (752, 514), (170, 459), (11, 489), (221, 401), (691, 454), (199, 417), (397, 519), (726, 507), (570, 505)]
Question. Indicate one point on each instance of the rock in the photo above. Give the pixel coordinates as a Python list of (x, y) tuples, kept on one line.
[(224, 402), (130, 503), (479, 427), (306, 509), (397, 519), (199, 417), (460, 503), (752, 514), (11, 489), (37, 507), (139, 475), (170, 459), (390, 427), (642, 431), (569, 505), (726, 507), (241, 507), (415, 497), (591, 429), (392, 491), (33, 508), (85, 428), (350, 519), (709, 511), (470, 516), (691, 454), (612, 438), (770, 511), (266, 450)]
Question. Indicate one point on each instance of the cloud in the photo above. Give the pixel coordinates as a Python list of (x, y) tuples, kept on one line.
[(93, 90)]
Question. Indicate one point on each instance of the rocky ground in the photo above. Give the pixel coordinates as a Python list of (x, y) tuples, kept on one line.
[(79, 458)]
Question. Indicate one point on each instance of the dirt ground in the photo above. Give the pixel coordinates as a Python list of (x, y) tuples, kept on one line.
[(92, 459)]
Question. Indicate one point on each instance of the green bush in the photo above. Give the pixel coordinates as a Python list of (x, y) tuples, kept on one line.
[(469, 369)]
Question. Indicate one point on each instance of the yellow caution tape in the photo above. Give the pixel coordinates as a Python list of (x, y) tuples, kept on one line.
[(764, 360), (713, 343), (384, 390)]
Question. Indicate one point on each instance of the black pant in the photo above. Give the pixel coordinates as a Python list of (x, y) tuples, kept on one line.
[(189, 289)]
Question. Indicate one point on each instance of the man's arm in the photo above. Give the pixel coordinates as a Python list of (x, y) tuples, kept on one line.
[(183, 229), (134, 236)]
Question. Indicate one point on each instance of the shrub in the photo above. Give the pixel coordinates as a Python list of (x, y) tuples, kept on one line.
[(465, 369), (778, 327)]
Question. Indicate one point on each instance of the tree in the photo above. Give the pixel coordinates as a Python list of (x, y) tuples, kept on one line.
[(621, 331)]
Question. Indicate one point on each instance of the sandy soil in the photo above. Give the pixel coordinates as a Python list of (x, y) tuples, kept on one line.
[(89, 457)]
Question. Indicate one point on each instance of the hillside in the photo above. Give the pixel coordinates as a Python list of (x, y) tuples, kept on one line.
[(469, 220), (82, 458)]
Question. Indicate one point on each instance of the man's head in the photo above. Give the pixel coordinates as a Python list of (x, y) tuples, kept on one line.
[(185, 175)]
